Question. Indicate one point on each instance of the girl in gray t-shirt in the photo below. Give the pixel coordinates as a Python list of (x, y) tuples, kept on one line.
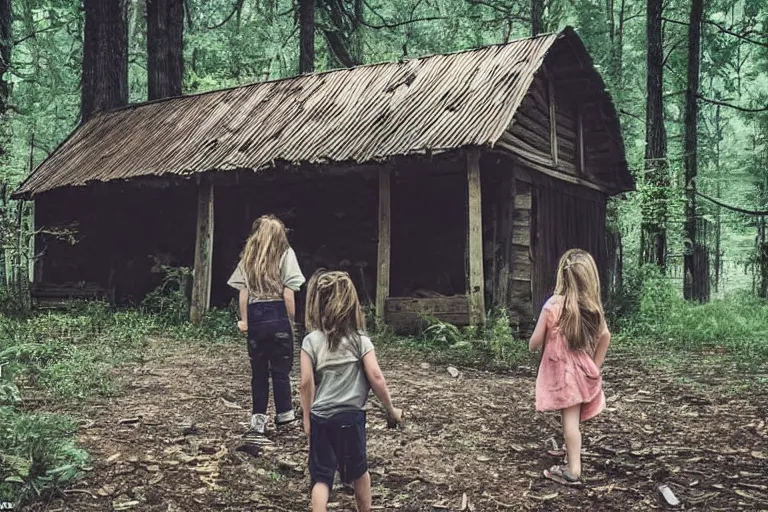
[(338, 368)]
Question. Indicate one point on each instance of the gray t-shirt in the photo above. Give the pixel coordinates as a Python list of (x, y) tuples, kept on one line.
[(290, 274), (341, 384)]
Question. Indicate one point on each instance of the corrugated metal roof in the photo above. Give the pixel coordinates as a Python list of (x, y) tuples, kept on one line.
[(432, 104)]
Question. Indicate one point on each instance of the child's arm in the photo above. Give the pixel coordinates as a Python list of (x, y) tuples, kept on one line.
[(379, 386), (601, 349), (289, 296), (306, 387), (243, 302), (540, 332)]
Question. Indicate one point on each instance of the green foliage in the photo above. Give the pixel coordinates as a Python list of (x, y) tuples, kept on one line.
[(169, 301), (492, 346), (38, 455), (659, 318)]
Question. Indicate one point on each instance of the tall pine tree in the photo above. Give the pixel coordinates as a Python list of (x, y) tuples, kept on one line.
[(105, 57), (165, 48)]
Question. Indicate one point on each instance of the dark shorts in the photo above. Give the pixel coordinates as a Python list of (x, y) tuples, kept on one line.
[(335, 443)]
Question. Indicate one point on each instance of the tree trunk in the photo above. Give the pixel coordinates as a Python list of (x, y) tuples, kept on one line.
[(654, 210), (6, 46), (693, 289), (537, 17), (165, 48), (105, 57), (718, 194), (306, 36)]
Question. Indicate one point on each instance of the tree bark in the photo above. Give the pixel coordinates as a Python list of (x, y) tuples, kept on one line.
[(105, 57), (693, 288), (306, 36), (654, 224), (165, 48), (537, 17), (6, 48)]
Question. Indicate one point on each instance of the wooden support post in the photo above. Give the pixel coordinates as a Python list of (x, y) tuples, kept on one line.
[(580, 141), (475, 282), (385, 241), (552, 119), (201, 277)]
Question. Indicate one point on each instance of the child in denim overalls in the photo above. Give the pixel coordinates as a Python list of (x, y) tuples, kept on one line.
[(267, 277)]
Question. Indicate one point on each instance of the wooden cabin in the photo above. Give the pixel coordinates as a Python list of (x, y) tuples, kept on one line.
[(446, 185)]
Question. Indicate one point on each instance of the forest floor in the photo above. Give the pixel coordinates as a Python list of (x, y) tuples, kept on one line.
[(168, 441)]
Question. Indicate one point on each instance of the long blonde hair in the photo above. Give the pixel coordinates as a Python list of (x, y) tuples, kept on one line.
[(333, 307), (261, 256), (582, 316)]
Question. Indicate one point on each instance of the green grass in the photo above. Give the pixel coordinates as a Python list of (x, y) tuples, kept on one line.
[(71, 355), (661, 321)]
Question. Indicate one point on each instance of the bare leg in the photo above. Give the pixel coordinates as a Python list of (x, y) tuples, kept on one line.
[(320, 496), (572, 434), (363, 493)]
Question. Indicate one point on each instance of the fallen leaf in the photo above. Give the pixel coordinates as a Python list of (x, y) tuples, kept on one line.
[(483, 458), (230, 405), (464, 501), (156, 480), (760, 455), (113, 458), (453, 371), (669, 496), (107, 490), (546, 497)]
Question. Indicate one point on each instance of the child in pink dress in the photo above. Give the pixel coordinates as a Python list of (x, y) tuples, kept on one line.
[(572, 331)]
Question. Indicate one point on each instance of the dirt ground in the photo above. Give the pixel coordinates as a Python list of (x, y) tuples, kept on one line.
[(169, 442)]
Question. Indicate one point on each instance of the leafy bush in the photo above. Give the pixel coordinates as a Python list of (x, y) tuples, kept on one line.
[(494, 345), (735, 325), (38, 455), (169, 301)]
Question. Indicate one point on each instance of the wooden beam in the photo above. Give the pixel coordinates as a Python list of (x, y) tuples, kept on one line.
[(385, 241), (512, 152), (552, 119), (475, 280), (580, 158), (201, 276)]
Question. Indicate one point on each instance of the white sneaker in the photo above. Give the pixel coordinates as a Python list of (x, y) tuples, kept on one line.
[(257, 433), (259, 423)]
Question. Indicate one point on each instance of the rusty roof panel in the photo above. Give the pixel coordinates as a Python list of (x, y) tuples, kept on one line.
[(363, 114)]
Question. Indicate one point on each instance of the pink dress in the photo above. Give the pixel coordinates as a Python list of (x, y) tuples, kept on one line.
[(566, 377)]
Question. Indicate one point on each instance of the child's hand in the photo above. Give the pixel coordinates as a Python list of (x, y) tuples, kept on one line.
[(242, 326), (394, 417)]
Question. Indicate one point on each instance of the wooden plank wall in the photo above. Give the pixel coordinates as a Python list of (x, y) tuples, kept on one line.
[(506, 226), (520, 311), (565, 217)]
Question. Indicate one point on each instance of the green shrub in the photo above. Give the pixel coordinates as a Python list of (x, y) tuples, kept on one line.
[(38, 455), (735, 325), (493, 345)]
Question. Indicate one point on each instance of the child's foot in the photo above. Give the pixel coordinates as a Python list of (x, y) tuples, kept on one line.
[(562, 475), (557, 452), (257, 434)]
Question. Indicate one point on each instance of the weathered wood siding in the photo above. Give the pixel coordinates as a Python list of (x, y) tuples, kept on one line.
[(530, 220), (564, 217), (530, 134), (507, 234)]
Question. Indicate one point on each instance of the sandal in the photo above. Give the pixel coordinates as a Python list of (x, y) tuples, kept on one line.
[(557, 452), (562, 476)]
